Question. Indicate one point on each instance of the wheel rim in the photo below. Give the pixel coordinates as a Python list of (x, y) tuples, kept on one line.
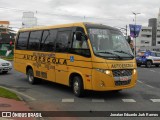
[(76, 87), (30, 77)]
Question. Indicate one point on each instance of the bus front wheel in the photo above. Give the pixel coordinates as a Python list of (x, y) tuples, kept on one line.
[(78, 89)]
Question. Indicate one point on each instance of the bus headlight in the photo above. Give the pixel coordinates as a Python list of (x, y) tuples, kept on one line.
[(108, 72), (134, 71)]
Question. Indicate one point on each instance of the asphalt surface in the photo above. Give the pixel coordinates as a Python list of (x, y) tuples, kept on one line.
[(48, 96)]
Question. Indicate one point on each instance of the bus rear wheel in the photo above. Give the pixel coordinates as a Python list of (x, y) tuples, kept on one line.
[(78, 89), (30, 76)]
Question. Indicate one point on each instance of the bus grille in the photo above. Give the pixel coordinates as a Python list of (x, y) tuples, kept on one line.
[(118, 83), (120, 73)]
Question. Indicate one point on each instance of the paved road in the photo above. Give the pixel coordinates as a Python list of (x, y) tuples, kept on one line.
[(53, 97)]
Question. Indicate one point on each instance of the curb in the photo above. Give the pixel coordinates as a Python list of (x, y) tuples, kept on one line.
[(21, 99)]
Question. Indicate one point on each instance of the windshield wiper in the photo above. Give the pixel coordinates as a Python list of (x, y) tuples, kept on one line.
[(110, 53), (120, 51)]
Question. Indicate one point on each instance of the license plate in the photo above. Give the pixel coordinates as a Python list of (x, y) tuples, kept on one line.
[(124, 78)]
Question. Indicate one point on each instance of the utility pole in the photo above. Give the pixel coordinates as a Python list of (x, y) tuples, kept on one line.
[(135, 32)]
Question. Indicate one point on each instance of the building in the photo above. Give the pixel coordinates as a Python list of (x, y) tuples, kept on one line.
[(7, 38), (145, 38), (158, 30), (28, 20), (153, 23), (149, 37), (158, 19), (158, 37), (4, 26), (6, 34)]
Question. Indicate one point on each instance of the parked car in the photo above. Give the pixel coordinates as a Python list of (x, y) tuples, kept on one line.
[(148, 58), (5, 66)]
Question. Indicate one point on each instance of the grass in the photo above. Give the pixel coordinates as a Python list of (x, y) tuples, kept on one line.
[(10, 58), (8, 94)]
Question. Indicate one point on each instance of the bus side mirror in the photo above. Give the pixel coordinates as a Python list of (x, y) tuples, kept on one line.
[(80, 36)]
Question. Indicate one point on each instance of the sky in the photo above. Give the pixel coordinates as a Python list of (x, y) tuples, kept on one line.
[(115, 13)]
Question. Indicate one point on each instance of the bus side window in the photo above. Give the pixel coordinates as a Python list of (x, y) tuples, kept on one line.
[(80, 45), (62, 41), (48, 40), (22, 40), (34, 40)]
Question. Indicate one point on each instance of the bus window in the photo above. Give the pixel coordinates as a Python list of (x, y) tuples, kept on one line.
[(48, 40), (22, 40), (62, 41), (80, 45), (34, 40)]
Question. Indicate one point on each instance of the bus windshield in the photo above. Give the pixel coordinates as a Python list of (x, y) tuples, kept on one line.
[(109, 43)]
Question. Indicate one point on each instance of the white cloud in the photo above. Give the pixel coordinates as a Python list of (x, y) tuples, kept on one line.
[(111, 12)]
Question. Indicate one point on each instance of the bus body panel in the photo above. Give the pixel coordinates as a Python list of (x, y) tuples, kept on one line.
[(104, 82), (43, 66), (61, 69), (82, 66)]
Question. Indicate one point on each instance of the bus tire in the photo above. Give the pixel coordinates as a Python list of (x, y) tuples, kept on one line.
[(78, 88), (30, 76)]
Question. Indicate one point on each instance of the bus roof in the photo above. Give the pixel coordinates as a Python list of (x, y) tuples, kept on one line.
[(101, 26), (87, 24)]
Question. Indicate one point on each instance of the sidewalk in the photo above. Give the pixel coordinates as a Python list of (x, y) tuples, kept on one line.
[(13, 105)]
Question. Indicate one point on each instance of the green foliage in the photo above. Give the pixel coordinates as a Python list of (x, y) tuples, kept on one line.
[(7, 94)]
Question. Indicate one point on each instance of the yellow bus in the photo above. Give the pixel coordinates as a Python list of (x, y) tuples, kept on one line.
[(84, 56)]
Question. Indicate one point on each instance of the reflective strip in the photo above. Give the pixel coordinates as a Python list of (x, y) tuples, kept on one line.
[(155, 100), (97, 100), (67, 100), (128, 100)]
